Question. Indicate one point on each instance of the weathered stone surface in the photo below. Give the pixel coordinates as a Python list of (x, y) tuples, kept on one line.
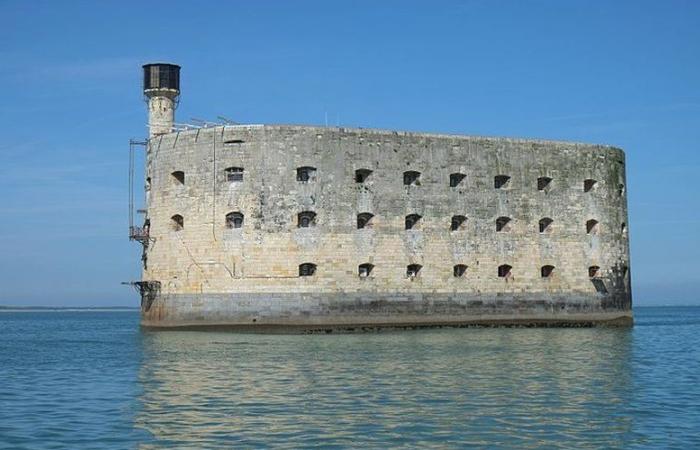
[(211, 274)]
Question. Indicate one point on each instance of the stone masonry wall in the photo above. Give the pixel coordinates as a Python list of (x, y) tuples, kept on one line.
[(263, 256)]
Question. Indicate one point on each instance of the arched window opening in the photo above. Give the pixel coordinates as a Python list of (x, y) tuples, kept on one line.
[(234, 220), (307, 269), (178, 177), (306, 174), (592, 226), (177, 222), (503, 224), (623, 229), (504, 271), (234, 174), (543, 183), (361, 175), (364, 270), (458, 223), (412, 221), (594, 272), (148, 183), (306, 219), (546, 271), (364, 220), (411, 178), (412, 270), (459, 270), (589, 185), (456, 179), (546, 225), (501, 181), (620, 189)]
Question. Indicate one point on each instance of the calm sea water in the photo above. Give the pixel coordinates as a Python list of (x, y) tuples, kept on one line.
[(95, 380)]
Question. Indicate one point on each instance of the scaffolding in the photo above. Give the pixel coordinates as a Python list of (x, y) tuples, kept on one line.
[(136, 233)]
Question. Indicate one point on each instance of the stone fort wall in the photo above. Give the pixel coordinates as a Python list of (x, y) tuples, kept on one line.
[(205, 259)]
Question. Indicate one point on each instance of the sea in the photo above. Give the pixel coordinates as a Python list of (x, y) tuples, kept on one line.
[(95, 380)]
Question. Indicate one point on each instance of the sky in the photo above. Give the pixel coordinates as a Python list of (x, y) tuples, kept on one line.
[(625, 73)]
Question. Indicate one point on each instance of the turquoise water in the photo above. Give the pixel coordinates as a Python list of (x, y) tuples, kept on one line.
[(94, 380)]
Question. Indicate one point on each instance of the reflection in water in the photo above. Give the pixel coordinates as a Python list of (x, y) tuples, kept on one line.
[(486, 387)]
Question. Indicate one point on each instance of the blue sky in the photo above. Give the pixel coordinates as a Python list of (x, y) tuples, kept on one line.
[(621, 73)]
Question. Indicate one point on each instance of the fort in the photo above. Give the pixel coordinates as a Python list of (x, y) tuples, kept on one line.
[(304, 228)]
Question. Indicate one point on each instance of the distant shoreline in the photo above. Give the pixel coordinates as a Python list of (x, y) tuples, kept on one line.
[(66, 308)]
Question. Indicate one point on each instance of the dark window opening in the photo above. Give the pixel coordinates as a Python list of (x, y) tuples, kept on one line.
[(177, 222), (546, 225), (234, 141), (234, 174), (306, 174), (361, 175), (411, 178), (148, 183), (458, 223), (365, 270), (412, 220), (504, 271), (620, 189), (501, 181), (543, 183), (589, 185), (503, 224), (456, 179), (306, 219), (179, 176), (546, 271), (623, 229), (307, 269), (593, 272), (592, 226), (412, 270), (459, 270), (364, 220), (234, 220)]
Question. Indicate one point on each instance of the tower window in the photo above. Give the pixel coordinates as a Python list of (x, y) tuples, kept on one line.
[(412, 221), (456, 179), (501, 181), (459, 270), (620, 189), (412, 270), (307, 269), (306, 219), (361, 175), (504, 271), (179, 176), (623, 229), (458, 223), (364, 270), (543, 183), (234, 220), (546, 225), (306, 174), (177, 222), (589, 185), (593, 272), (234, 174), (411, 178), (592, 226), (364, 220), (546, 271), (503, 224)]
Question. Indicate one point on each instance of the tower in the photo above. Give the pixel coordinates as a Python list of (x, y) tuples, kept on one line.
[(161, 86)]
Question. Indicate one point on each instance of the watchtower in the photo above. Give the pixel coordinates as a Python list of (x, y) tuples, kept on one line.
[(161, 87)]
